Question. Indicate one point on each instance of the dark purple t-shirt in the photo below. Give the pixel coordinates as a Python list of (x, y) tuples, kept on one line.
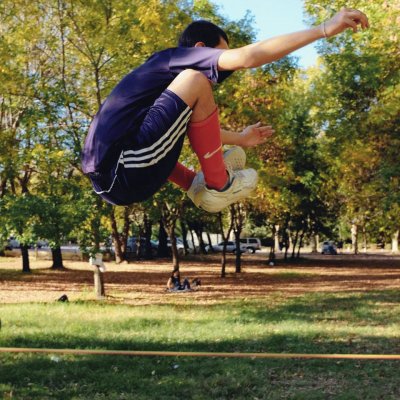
[(122, 113)]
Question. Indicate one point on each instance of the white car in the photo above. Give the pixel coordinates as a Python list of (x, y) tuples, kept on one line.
[(251, 244), (230, 247), (179, 245)]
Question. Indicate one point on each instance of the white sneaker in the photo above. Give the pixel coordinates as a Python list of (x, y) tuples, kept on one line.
[(242, 183), (196, 187), (234, 158)]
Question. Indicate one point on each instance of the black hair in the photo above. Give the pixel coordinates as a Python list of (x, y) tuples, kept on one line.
[(202, 31), (173, 272)]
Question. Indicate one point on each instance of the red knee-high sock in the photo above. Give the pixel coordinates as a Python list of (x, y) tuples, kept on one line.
[(205, 139), (182, 176)]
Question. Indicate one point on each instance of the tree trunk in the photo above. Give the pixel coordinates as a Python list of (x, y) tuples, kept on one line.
[(286, 243), (57, 258), (119, 254), (300, 244), (354, 238), (139, 245), (3, 186), (194, 244), (286, 237), (286, 250), (271, 256), (238, 256), (162, 242), (210, 242), (223, 261), (125, 231), (224, 239), (199, 234), (315, 243), (96, 225), (237, 222), (148, 251), (25, 258), (395, 242), (294, 244), (277, 247), (175, 255), (364, 235), (184, 237)]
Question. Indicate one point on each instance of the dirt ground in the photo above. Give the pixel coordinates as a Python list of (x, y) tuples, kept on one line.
[(144, 282)]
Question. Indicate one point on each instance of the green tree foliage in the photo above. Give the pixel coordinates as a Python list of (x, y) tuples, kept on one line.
[(335, 150), (358, 113), (17, 218)]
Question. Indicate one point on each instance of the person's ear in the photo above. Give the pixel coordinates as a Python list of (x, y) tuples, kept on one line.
[(200, 44)]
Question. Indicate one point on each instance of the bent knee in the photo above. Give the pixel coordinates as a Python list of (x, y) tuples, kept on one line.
[(191, 86), (194, 77)]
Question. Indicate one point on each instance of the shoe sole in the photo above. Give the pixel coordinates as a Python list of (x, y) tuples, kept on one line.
[(235, 158), (210, 205)]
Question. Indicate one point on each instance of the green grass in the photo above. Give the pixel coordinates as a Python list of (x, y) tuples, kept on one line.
[(367, 322)]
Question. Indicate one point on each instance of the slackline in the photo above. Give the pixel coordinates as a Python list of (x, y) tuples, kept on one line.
[(138, 353)]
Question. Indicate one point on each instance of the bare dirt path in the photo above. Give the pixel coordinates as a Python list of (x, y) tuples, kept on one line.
[(144, 282)]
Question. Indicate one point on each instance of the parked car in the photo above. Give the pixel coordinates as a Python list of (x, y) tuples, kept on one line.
[(71, 252), (12, 243), (251, 244), (179, 245), (230, 247), (329, 247), (42, 243), (131, 246)]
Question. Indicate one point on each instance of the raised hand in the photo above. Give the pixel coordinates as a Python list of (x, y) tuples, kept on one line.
[(256, 134), (344, 19)]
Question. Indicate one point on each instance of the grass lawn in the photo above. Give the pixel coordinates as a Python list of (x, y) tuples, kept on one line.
[(320, 306)]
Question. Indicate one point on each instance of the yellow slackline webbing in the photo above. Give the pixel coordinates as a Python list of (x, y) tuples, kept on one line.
[(138, 353)]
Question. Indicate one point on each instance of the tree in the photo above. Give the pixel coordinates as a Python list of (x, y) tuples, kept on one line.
[(169, 201), (237, 216), (358, 112), (26, 59), (16, 219), (225, 233)]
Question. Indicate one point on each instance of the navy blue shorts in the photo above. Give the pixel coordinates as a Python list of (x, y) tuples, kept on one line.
[(145, 166)]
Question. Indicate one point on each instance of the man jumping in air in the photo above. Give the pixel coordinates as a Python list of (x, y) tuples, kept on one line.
[(135, 139)]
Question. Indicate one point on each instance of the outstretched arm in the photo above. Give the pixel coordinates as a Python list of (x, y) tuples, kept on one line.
[(266, 51)]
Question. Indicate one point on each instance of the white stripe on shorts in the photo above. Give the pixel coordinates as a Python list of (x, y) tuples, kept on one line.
[(153, 161), (160, 148), (112, 183)]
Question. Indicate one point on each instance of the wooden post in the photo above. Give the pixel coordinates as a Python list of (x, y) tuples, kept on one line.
[(99, 269), (99, 283)]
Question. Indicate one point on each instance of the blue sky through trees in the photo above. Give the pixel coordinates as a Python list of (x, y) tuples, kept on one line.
[(272, 18)]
